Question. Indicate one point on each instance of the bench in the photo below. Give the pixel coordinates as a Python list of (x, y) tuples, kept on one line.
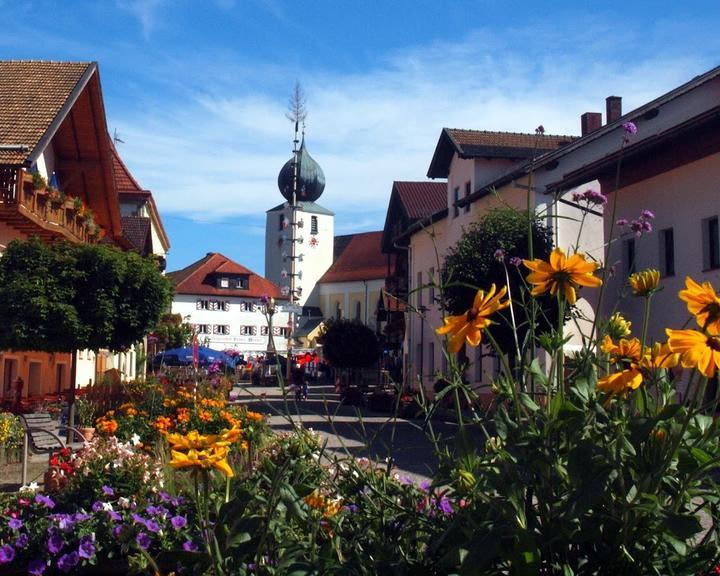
[(40, 437)]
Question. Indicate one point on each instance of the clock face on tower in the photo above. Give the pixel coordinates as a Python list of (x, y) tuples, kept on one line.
[(313, 242)]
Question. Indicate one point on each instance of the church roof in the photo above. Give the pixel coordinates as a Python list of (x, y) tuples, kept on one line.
[(361, 259), (310, 207), (200, 278)]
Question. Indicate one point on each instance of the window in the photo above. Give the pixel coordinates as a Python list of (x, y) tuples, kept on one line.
[(667, 252), (628, 256), (221, 329), (214, 305), (241, 283), (418, 289), (264, 331), (467, 193), (478, 363), (313, 225), (281, 222), (280, 331), (248, 330), (202, 328), (358, 311), (225, 306), (201, 305), (223, 283), (456, 197), (711, 244)]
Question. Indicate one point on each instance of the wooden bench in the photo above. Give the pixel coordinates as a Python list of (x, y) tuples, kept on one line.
[(41, 437)]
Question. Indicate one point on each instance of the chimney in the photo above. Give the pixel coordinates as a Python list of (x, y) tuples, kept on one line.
[(613, 108), (589, 122)]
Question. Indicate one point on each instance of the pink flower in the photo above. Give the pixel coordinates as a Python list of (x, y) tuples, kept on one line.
[(630, 128)]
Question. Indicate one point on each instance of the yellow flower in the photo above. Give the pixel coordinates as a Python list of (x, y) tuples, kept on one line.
[(320, 502), (621, 381), (644, 283), (703, 303), (561, 273), (618, 327), (469, 326), (697, 350), (624, 350), (659, 356), (215, 457)]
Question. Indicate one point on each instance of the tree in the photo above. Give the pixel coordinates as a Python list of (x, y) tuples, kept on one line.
[(172, 332), (474, 262), (66, 297), (349, 344)]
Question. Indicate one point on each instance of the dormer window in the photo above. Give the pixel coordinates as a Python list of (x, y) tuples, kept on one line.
[(223, 282), (241, 283)]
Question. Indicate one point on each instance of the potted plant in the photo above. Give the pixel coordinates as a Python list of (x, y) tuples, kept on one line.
[(86, 415), (78, 205), (56, 197), (39, 182)]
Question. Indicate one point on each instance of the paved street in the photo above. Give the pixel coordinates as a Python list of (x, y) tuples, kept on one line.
[(350, 430)]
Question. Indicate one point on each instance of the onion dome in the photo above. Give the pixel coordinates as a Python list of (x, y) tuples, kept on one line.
[(310, 177)]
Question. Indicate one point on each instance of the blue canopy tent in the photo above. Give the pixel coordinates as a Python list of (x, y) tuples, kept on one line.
[(184, 357)]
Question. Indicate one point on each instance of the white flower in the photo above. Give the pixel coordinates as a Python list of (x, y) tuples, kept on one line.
[(124, 502), (32, 487), (135, 439), (107, 507)]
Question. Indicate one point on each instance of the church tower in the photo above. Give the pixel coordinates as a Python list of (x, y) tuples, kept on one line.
[(299, 233)]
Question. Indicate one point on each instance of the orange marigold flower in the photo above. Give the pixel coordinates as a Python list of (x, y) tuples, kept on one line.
[(324, 504), (560, 273), (162, 423), (183, 415), (697, 350), (469, 326), (205, 416), (645, 282), (255, 416), (703, 303), (106, 426)]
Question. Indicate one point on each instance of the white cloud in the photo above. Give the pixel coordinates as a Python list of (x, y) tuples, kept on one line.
[(145, 11), (216, 153)]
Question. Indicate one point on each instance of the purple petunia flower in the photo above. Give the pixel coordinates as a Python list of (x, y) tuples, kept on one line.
[(108, 491), (164, 496), (178, 522), (152, 525), (143, 540), (7, 554), (55, 543), (114, 516), (36, 567), (190, 546), (630, 128), (97, 506), (499, 255), (117, 531), (22, 541), (68, 561), (137, 518), (352, 508), (45, 501), (66, 522), (87, 547), (15, 523), (425, 485), (445, 506)]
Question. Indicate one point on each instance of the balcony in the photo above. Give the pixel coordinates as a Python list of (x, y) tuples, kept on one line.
[(34, 213)]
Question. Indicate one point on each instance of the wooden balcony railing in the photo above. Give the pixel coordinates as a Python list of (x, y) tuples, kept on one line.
[(34, 213)]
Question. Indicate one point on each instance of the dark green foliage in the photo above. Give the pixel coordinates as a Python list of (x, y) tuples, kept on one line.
[(349, 344), (472, 264), (172, 332), (64, 297)]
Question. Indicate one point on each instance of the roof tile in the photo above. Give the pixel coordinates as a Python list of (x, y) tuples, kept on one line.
[(362, 259), (32, 94), (198, 279), (422, 199)]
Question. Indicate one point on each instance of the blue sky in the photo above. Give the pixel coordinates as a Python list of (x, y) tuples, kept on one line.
[(197, 90)]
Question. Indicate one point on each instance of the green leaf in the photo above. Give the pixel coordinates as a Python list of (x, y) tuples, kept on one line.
[(682, 526), (526, 401), (537, 372)]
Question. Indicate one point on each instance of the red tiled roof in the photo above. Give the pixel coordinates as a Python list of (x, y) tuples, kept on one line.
[(137, 230), (124, 180), (470, 142), (487, 144), (421, 199), (198, 278), (362, 259), (32, 96)]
